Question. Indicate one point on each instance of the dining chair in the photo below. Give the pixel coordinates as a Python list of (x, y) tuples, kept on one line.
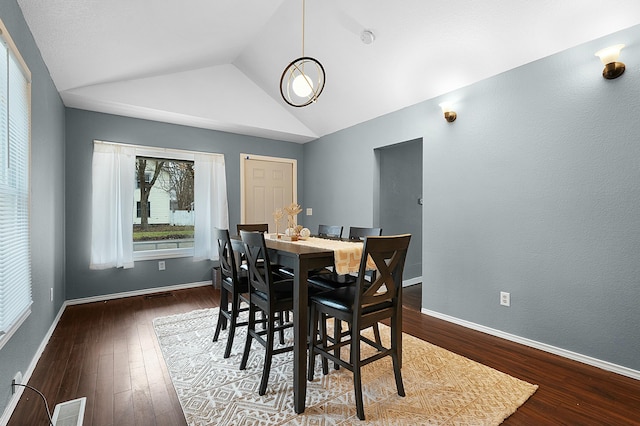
[(260, 227), (358, 233), (328, 279), (329, 231), (361, 306), (270, 294), (331, 280), (234, 284)]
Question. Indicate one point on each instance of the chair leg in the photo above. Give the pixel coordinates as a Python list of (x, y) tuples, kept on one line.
[(266, 368), (395, 356), (222, 319), (324, 340), (235, 307), (337, 336), (250, 329), (357, 373), (313, 331), (281, 323), (376, 333)]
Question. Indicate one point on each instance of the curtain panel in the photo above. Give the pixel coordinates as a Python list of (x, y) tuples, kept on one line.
[(113, 181), (113, 188), (210, 203)]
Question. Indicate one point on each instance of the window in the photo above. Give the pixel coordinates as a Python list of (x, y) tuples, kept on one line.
[(167, 224), (139, 211), (15, 135), (147, 179), (155, 203)]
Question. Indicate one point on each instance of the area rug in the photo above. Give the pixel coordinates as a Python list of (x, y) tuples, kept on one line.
[(442, 388)]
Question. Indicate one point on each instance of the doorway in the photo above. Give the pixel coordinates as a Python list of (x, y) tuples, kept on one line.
[(400, 202)]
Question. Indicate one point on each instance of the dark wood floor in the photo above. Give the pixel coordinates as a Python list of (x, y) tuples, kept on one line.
[(107, 351)]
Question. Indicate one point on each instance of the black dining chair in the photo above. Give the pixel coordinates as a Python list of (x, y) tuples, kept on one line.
[(361, 306), (234, 285), (329, 231), (358, 233), (328, 279), (331, 281), (251, 227), (270, 294)]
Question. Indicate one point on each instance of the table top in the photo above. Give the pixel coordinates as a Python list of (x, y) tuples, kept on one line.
[(347, 253)]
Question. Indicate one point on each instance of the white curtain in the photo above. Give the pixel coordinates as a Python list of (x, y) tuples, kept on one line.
[(210, 203), (113, 177)]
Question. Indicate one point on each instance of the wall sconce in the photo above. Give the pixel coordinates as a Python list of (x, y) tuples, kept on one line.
[(449, 114), (609, 56)]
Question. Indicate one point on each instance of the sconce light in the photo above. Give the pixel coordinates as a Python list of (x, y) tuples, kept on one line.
[(609, 56), (449, 114)]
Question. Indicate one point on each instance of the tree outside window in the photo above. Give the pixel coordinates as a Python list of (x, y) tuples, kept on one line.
[(163, 204)]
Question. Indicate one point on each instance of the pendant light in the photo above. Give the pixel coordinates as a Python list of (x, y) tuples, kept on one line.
[(303, 79)]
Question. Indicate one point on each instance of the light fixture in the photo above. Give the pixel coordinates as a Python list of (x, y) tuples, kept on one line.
[(367, 36), (449, 114), (609, 56), (303, 79)]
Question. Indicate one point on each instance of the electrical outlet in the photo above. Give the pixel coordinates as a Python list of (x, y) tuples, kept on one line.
[(52, 294), (309, 211), (505, 298), (161, 265), (16, 379)]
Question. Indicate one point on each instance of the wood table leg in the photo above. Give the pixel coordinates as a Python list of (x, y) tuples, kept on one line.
[(300, 295)]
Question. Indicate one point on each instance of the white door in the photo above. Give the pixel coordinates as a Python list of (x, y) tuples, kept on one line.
[(267, 183)]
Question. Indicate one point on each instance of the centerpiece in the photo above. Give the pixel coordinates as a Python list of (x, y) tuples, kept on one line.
[(293, 230), (277, 215)]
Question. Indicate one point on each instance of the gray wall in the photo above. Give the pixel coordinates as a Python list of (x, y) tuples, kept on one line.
[(47, 206), (533, 190), (82, 128)]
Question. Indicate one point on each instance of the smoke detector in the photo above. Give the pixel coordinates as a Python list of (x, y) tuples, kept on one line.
[(367, 36)]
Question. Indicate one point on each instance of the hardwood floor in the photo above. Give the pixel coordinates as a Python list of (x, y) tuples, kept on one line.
[(107, 351)]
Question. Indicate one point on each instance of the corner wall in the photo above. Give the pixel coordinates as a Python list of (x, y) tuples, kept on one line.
[(533, 190)]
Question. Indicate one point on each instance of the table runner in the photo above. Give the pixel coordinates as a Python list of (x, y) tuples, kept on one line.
[(347, 254)]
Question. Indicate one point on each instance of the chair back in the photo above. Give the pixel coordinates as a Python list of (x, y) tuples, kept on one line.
[(227, 255), (389, 254), (357, 233), (252, 227), (329, 231), (255, 250)]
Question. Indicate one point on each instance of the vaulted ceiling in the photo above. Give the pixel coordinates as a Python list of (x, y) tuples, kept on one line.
[(217, 64)]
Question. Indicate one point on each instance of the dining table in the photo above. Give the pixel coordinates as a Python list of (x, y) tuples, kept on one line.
[(301, 257)]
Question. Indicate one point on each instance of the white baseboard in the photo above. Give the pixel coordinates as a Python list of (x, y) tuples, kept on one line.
[(411, 281), (135, 293), (13, 402), (605, 365)]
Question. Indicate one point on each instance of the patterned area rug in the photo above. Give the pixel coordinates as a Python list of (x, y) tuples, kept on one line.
[(442, 388)]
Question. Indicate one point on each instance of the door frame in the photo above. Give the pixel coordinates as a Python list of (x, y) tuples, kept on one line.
[(244, 156)]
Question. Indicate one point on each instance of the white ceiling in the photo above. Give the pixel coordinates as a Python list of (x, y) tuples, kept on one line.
[(216, 64)]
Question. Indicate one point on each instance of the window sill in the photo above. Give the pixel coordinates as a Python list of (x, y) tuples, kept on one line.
[(162, 254), (4, 338)]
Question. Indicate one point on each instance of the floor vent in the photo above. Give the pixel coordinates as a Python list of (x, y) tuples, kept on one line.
[(70, 413), (155, 295)]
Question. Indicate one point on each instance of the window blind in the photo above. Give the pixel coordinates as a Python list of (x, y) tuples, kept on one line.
[(15, 125)]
